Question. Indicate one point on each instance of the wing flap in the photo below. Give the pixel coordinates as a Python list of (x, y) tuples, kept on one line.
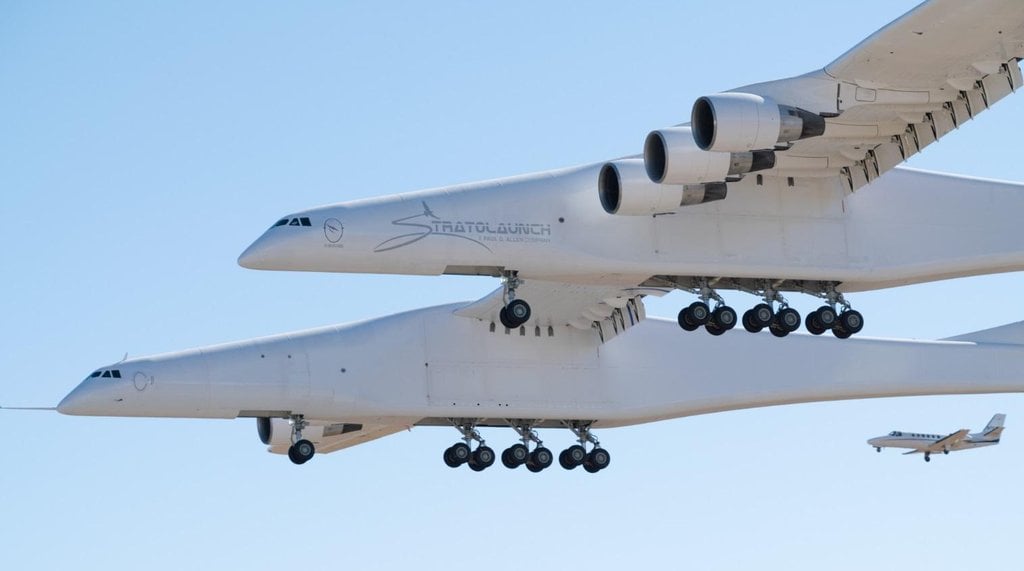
[(334, 438), (948, 442), (608, 309)]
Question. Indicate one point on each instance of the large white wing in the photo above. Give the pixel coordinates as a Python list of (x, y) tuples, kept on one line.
[(901, 89), (607, 309)]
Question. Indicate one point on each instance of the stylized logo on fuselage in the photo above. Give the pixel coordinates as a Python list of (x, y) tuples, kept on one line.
[(429, 224), (333, 230)]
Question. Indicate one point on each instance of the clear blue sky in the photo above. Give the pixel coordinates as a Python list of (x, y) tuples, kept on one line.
[(144, 145)]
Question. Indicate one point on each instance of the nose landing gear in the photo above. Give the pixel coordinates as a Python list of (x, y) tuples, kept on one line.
[(301, 450), (515, 312)]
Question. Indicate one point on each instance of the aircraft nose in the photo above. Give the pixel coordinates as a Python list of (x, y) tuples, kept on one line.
[(253, 257), (78, 401)]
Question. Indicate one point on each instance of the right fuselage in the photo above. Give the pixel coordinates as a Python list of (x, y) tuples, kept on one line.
[(906, 227)]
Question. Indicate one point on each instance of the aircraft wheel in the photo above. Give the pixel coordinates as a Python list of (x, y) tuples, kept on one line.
[(519, 311), (457, 455), (724, 317), (878, 448), (748, 322), (927, 457), (540, 458), (301, 452), (481, 459), (788, 318), (597, 460), (505, 320), (714, 329), (762, 315), (852, 321), (572, 456), (813, 324), (684, 321), (839, 332), (697, 313), (778, 330), (515, 456), (826, 316)]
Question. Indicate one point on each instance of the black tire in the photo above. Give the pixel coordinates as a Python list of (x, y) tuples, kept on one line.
[(698, 313), (460, 453), (504, 319), (518, 311), (542, 457), (724, 317), (684, 322), (827, 316), (927, 458), (518, 454), (788, 318), (840, 333), (852, 321), (714, 329), (574, 456), (778, 330), (475, 466), (762, 315), (813, 324), (291, 456), (484, 456), (507, 461), (748, 322), (303, 451), (564, 460), (449, 460), (598, 460)]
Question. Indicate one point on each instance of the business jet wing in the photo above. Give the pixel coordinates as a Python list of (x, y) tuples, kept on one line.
[(948, 442), (899, 90), (609, 309)]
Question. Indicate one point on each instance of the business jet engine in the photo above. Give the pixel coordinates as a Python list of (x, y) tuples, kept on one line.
[(739, 122), (625, 189), (672, 157)]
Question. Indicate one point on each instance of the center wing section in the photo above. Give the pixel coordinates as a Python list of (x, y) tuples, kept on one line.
[(608, 309)]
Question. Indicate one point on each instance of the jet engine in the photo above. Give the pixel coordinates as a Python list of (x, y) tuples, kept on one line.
[(672, 157), (625, 189), (274, 431), (738, 122)]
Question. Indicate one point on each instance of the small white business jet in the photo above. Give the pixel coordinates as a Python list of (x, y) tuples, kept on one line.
[(815, 205), (928, 443)]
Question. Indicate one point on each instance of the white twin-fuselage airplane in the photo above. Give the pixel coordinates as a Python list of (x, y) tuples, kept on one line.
[(928, 443), (789, 186)]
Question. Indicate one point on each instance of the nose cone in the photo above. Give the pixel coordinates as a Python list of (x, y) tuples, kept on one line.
[(874, 441), (254, 257), (78, 402)]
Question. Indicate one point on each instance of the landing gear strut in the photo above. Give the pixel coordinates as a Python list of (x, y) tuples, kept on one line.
[(518, 454), (460, 452), (515, 312), (699, 313), (301, 450), (843, 323), (576, 455), (781, 323)]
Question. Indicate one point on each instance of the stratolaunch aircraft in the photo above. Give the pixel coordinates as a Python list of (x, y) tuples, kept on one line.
[(784, 186), (927, 443)]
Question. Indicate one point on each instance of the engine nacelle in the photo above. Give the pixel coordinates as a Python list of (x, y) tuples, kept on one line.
[(625, 189), (274, 431), (672, 157), (739, 122)]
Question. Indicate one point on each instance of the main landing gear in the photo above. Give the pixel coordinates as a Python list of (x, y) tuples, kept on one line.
[(519, 454), (460, 452), (780, 323), (927, 456), (515, 312), (699, 313), (576, 455), (773, 313), (843, 323), (301, 450)]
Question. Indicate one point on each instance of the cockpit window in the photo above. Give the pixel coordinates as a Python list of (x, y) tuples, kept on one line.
[(116, 373), (106, 374), (109, 373), (95, 374), (300, 221), (895, 433)]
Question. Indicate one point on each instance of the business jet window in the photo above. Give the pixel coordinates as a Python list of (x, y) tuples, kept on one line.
[(895, 433), (301, 221)]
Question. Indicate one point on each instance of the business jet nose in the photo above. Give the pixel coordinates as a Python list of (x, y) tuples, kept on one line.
[(79, 401)]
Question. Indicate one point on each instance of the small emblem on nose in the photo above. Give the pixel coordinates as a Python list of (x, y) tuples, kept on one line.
[(333, 230), (141, 381)]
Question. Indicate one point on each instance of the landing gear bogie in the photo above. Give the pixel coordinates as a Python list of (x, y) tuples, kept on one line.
[(539, 459)]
